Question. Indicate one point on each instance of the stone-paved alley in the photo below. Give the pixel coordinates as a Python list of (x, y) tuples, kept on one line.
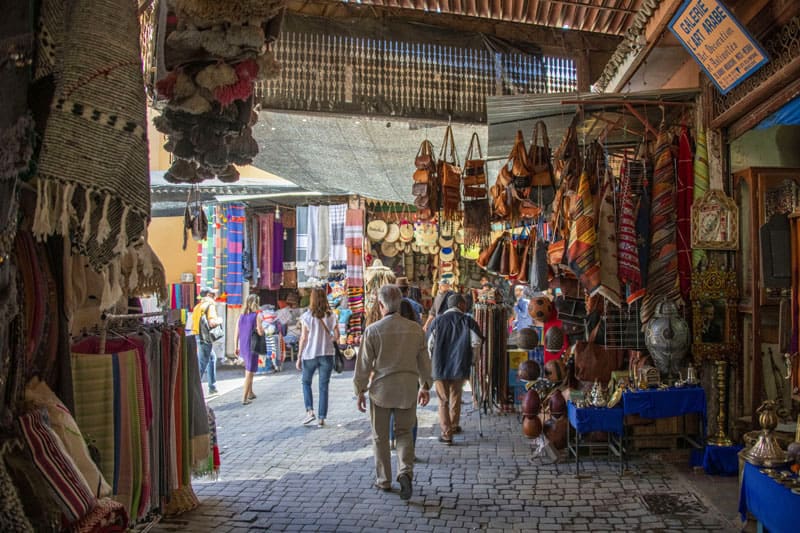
[(279, 475)]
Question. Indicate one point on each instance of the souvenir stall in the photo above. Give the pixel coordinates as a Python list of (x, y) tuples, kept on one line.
[(102, 417)]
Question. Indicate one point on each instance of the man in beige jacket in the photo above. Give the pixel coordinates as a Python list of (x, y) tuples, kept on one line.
[(394, 366)]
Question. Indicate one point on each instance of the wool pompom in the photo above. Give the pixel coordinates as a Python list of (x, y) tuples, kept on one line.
[(217, 75)]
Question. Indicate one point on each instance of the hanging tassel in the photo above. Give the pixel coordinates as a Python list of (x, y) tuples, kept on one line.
[(105, 299), (65, 206), (104, 228), (87, 216), (115, 286), (133, 277), (38, 215), (122, 239)]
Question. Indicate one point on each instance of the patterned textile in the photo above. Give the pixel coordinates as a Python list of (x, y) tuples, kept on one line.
[(684, 222), (277, 254), (301, 257), (627, 249), (42, 507), (319, 242), (662, 273), (56, 466), (93, 178), (583, 237), (12, 512), (209, 260), (643, 233), (268, 262), (700, 183), (353, 241), (220, 250), (338, 257), (108, 516), (234, 279), (607, 243)]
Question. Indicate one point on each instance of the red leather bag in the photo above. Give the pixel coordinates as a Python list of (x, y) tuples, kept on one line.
[(596, 362)]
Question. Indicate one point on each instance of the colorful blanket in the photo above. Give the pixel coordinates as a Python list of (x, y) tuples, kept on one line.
[(354, 241), (338, 255), (607, 243), (627, 249), (301, 256), (234, 278), (583, 237), (684, 222)]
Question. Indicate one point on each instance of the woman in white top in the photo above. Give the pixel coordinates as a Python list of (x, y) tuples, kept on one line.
[(316, 352)]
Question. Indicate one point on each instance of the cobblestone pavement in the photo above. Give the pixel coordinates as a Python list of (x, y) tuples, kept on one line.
[(279, 475)]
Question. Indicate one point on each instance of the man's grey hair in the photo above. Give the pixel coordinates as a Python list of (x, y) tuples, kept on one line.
[(390, 296), (455, 300)]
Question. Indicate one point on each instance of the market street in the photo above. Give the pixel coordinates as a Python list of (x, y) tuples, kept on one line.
[(279, 475)]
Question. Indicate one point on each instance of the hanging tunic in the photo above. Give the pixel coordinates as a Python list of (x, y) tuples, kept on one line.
[(627, 247), (662, 276), (607, 243), (700, 183), (685, 191), (583, 237)]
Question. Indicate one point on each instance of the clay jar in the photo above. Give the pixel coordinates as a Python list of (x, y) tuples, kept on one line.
[(531, 403), (528, 371), (531, 427)]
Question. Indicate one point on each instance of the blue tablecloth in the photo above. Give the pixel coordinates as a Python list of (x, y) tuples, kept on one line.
[(657, 403), (770, 502), (718, 460), (588, 419)]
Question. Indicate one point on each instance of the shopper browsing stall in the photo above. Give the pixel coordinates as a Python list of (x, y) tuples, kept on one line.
[(316, 353)]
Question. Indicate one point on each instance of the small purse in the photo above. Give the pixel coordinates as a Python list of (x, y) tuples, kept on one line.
[(338, 356)]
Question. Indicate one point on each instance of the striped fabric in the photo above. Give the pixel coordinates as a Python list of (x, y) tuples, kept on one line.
[(354, 241), (627, 249), (337, 215), (700, 183), (685, 189), (302, 246), (208, 261), (583, 237), (662, 273), (277, 254), (235, 272), (607, 243), (56, 466)]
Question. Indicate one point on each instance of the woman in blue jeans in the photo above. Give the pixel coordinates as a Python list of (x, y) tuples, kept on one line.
[(316, 352)]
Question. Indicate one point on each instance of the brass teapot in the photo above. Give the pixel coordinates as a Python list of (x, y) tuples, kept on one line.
[(766, 451)]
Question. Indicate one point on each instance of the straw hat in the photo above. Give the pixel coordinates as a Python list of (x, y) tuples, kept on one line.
[(406, 231), (433, 250), (447, 253), (446, 266), (415, 247), (388, 249), (392, 233), (401, 246), (376, 230), (446, 241)]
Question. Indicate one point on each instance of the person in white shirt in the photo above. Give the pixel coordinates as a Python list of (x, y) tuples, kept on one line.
[(316, 352)]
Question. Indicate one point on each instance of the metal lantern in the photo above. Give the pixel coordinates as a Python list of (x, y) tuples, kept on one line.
[(667, 338)]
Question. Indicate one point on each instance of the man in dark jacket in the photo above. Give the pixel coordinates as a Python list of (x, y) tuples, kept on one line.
[(452, 337)]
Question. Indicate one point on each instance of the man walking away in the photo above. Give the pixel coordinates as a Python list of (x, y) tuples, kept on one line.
[(403, 285), (204, 317), (393, 353), (452, 337)]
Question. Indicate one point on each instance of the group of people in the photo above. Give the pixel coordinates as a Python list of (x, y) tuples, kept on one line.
[(402, 356)]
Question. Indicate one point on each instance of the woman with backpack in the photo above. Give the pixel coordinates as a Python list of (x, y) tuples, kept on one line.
[(316, 352)]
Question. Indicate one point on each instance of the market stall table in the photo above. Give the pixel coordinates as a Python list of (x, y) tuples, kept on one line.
[(590, 419), (772, 504), (668, 403)]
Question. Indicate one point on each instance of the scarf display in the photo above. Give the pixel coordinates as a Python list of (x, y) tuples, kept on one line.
[(220, 247), (583, 237), (354, 241), (607, 247), (234, 278), (643, 223), (277, 255), (93, 180), (627, 248), (301, 255), (662, 272), (684, 212), (266, 228), (338, 257), (701, 184), (355, 300), (208, 257), (319, 242)]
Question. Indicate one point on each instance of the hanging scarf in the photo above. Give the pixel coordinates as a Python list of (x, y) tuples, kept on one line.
[(277, 255), (235, 275), (319, 244), (583, 237), (627, 249), (301, 255), (662, 276), (219, 278), (353, 241), (208, 260), (685, 191), (700, 183), (607, 243), (338, 256)]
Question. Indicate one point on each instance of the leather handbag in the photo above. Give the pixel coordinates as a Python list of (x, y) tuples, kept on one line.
[(520, 165), (258, 344), (338, 356), (424, 159), (486, 253), (538, 271), (513, 258), (474, 168), (596, 362), (449, 176), (474, 192), (504, 257), (496, 258), (524, 262), (422, 175), (421, 189)]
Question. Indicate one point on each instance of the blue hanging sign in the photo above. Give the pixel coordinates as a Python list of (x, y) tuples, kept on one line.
[(724, 48)]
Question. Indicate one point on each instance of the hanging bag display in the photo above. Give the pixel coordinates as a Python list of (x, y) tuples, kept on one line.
[(425, 185), (474, 170), (525, 258), (543, 189), (514, 176), (495, 261), (449, 173), (594, 362), (538, 275)]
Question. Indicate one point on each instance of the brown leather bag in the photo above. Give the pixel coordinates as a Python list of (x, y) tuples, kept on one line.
[(424, 159), (474, 168), (422, 175), (486, 253), (513, 258), (596, 362), (524, 261), (539, 157), (504, 258)]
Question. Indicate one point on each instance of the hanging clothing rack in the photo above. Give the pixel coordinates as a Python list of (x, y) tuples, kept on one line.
[(108, 317)]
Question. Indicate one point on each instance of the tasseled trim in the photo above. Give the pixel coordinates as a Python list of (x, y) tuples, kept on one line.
[(87, 217), (133, 276), (122, 238), (105, 302), (65, 208), (104, 227)]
